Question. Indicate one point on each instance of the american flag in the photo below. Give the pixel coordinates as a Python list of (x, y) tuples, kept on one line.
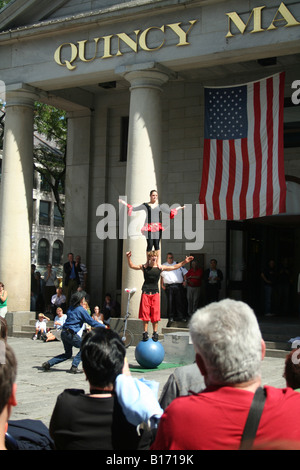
[(243, 162)]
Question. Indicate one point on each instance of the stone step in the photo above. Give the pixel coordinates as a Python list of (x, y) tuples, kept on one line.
[(22, 334), (171, 329), (49, 324), (276, 353), (284, 346), (275, 337), (280, 328), (28, 329)]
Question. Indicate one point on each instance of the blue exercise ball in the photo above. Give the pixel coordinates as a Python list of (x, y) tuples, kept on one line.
[(149, 354)]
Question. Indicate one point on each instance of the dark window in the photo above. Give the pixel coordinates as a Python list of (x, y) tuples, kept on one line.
[(291, 124), (34, 211), (291, 134), (44, 215), (57, 252), (43, 252), (58, 220), (45, 186)]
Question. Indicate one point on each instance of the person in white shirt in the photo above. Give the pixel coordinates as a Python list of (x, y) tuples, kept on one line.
[(50, 281), (58, 300), (172, 284)]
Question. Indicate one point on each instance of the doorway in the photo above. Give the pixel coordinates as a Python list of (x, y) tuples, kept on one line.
[(250, 245)]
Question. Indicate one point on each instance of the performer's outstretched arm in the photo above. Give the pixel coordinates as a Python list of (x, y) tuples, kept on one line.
[(131, 208), (187, 260), (130, 263)]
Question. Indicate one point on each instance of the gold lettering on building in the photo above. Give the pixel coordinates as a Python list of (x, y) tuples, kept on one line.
[(182, 35), (127, 40), (154, 38), (256, 16), (81, 50), (143, 39), (72, 54), (286, 16), (67, 53)]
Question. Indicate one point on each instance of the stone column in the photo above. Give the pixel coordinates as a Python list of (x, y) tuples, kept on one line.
[(16, 198), (143, 163), (77, 184)]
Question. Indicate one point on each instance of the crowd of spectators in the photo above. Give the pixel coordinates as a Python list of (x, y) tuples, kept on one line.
[(203, 406)]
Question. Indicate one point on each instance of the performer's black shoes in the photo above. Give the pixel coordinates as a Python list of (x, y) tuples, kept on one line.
[(74, 370), (46, 366), (145, 336), (155, 336)]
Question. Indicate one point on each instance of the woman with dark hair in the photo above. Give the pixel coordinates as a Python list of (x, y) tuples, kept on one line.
[(72, 331), (152, 228), (95, 420)]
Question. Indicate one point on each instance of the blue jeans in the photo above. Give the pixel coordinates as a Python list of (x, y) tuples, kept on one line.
[(69, 341)]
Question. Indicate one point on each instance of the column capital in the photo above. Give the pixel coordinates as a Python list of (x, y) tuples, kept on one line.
[(147, 75), (21, 94)]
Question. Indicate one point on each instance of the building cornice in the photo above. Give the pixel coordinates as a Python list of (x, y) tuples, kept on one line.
[(116, 13)]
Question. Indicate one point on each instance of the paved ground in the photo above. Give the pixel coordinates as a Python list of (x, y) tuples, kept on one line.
[(37, 390)]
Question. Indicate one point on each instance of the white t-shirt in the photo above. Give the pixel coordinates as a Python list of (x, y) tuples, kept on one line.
[(213, 274), (173, 277), (41, 325)]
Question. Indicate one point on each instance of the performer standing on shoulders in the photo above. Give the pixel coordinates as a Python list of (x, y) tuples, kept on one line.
[(150, 299), (152, 228)]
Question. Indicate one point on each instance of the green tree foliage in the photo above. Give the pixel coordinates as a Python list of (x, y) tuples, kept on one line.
[(50, 147), (49, 154), (3, 3)]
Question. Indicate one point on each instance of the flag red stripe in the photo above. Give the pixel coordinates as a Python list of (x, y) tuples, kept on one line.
[(205, 173), (281, 176), (257, 148), (270, 131), (218, 180), (245, 179), (231, 182)]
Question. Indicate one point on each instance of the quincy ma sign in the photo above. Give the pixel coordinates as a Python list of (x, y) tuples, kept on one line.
[(108, 46), (78, 50)]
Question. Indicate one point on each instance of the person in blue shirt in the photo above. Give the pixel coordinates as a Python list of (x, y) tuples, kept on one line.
[(72, 331)]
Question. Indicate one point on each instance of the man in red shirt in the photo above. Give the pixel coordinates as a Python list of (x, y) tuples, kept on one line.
[(193, 279), (229, 350)]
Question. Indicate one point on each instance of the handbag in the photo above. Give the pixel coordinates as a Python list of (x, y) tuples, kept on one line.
[(253, 419)]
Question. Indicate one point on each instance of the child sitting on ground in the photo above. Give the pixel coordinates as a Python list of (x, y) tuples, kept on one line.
[(40, 326)]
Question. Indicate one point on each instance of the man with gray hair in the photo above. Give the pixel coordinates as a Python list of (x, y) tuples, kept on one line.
[(229, 350)]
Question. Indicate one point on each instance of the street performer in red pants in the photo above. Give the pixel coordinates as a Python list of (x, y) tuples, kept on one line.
[(150, 299)]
